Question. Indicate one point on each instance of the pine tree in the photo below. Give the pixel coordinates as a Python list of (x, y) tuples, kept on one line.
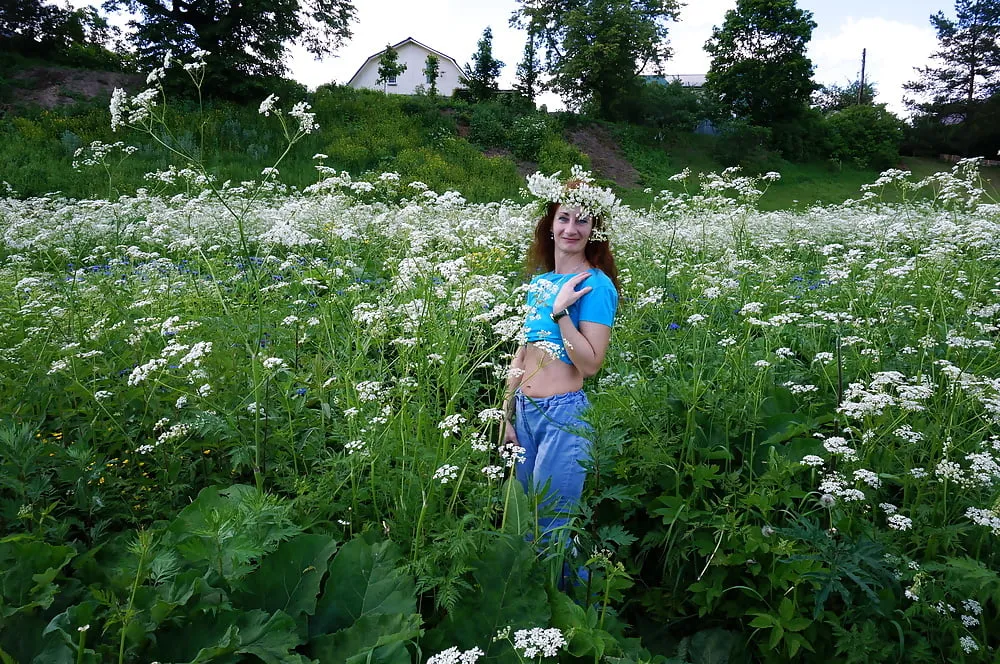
[(967, 68), (481, 75), (529, 70)]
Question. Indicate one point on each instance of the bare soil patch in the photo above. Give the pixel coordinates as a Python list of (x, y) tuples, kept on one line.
[(606, 156), (50, 87)]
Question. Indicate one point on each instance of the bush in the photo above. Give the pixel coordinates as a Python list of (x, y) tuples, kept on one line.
[(668, 108), (866, 136), (488, 125), (527, 135), (742, 144), (558, 155), (804, 138)]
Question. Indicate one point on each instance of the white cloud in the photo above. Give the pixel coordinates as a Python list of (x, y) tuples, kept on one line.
[(894, 49)]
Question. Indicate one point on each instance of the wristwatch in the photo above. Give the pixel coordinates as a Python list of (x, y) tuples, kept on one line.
[(556, 315)]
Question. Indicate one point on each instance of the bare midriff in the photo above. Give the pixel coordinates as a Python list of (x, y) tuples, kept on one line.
[(545, 375)]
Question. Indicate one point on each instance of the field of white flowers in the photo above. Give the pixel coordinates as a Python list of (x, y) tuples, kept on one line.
[(244, 423)]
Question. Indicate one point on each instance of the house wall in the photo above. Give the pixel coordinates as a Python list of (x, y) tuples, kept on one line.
[(415, 58)]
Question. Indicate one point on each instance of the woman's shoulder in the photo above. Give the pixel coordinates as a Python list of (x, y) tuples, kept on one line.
[(599, 279)]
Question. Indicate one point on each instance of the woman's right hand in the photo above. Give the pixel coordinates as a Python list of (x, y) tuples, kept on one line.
[(510, 434)]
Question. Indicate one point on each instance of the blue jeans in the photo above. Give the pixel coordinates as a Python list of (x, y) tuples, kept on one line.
[(548, 428)]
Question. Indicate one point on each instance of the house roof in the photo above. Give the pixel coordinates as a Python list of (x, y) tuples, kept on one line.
[(687, 80), (394, 47)]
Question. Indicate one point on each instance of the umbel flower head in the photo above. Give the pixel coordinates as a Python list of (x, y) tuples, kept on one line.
[(578, 191)]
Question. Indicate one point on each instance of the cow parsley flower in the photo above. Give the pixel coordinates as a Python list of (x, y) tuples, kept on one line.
[(446, 473), (454, 656), (539, 642)]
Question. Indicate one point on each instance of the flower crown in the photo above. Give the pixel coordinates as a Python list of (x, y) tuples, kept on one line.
[(578, 191)]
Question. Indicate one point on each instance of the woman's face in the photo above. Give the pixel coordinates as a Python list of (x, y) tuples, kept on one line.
[(570, 230)]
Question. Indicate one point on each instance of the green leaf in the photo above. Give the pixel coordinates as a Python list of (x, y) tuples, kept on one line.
[(762, 621), (509, 591), (786, 610), (365, 579), (797, 624), (518, 515), (712, 646), (776, 634), (227, 635), (226, 530), (378, 639), (29, 569), (289, 579)]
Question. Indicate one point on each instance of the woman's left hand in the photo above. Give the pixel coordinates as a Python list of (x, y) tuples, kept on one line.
[(568, 294)]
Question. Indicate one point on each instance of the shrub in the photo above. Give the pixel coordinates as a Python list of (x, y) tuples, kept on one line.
[(866, 136)]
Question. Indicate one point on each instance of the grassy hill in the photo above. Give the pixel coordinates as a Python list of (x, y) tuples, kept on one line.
[(480, 150)]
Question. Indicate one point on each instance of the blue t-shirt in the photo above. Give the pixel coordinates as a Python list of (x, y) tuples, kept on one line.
[(597, 306)]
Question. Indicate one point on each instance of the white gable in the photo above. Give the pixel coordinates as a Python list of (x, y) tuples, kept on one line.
[(414, 55)]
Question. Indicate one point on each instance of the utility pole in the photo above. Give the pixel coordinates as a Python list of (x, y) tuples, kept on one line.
[(861, 88)]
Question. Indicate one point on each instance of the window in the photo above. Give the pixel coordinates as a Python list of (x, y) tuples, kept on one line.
[(392, 80)]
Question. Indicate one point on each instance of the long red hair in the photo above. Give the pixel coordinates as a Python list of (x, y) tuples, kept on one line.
[(542, 252)]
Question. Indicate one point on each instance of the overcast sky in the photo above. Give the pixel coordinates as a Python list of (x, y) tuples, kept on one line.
[(896, 33)]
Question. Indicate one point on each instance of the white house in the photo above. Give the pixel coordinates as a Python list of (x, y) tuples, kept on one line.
[(414, 55)]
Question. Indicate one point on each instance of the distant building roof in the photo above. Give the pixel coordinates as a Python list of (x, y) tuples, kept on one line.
[(687, 80)]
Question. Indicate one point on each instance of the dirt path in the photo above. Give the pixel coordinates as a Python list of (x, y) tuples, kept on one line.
[(606, 156), (50, 87)]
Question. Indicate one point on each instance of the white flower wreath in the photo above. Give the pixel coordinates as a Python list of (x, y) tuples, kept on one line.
[(578, 191)]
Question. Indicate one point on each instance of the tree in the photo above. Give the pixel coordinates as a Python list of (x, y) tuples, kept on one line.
[(866, 136), (596, 49), (389, 66), (759, 68), (529, 71), (245, 39), (432, 71), (481, 75), (33, 28), (830, 98), (968, 57)]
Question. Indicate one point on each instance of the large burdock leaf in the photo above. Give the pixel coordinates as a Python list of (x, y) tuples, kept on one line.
[(289, 579), (509, 592), (28, 570), (227, 637), (365, 579), (374, 639)]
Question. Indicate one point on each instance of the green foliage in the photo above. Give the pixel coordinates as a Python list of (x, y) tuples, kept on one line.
[(482, 73), (669, 109), (508, 592), (831, 98), (968, 59), (745, 144), (957, 98), (389, 66), (76, 37), (759, 69), (432, 72), (364, 580), (596, 49), (529, 70), (225, 30), (867, 136)]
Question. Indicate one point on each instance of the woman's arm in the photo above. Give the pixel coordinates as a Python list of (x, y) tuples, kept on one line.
[(514, 376), (585, 346)]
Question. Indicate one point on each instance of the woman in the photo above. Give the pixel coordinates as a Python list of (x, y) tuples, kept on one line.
[(571, 310)]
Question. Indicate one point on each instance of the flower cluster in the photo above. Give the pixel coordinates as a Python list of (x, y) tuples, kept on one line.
[(579, 191)]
